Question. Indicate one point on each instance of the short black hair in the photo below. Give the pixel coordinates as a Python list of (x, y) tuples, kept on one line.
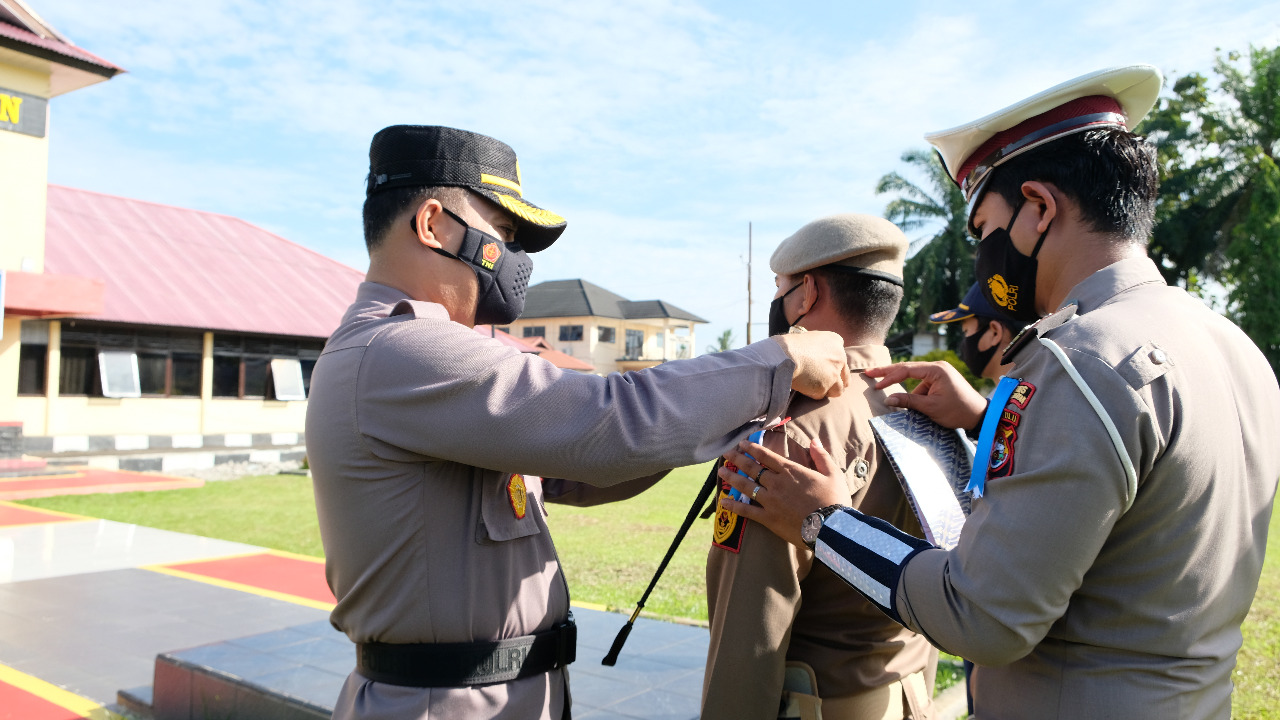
[(1110, 173), (382, 209), (869, 303)]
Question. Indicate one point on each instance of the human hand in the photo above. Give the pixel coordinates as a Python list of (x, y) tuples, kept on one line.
[(943, 394), (822, 368), (786, 491)]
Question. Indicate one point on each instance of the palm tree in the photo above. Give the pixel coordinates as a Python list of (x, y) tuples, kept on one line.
[(724, 342), (939, 268)]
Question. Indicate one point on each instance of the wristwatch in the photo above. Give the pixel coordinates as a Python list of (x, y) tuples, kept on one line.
[(813, 523)]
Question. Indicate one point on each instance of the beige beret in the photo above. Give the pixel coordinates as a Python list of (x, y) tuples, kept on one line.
[(864, 241)]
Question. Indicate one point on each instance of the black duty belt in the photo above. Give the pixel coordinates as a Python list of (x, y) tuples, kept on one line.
[(469, 664)]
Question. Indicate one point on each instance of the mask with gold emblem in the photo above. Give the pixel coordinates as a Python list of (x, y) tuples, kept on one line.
[(1007, 277)]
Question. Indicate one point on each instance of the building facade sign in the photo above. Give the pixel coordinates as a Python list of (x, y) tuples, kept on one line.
[(22, 113)]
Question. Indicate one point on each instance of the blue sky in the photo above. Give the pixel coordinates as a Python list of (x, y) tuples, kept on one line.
[(659, 129)]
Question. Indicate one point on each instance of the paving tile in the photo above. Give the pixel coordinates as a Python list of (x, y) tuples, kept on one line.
[(656, 705), (319, 628), (689, 685), (690, 653), (600, 715), (73, 548), (272, 640), (599, 692), (637, 670), (314, 686), (253, 703)]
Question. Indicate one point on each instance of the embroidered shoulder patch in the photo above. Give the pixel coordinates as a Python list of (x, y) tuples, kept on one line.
[(517, 495), (1022, 394), (1002, 449), (727, 527)]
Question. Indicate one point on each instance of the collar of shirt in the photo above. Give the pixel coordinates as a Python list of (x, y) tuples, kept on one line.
[(1099, 288), (377, 300), (862, 357)]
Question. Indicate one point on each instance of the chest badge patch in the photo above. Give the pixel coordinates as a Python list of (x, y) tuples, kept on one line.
[(517, 495), (1022, 394), (727, 527), (1002, 449)]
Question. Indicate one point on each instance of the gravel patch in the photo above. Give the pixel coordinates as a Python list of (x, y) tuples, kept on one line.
[(237, 470)]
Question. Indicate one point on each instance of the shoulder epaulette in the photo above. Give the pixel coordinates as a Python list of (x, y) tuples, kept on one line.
[(1038, 329)]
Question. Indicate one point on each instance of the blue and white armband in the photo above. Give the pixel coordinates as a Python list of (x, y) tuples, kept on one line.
[(868, 553)]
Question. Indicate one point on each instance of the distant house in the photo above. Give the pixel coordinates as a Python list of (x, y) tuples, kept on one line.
[(608, 331)]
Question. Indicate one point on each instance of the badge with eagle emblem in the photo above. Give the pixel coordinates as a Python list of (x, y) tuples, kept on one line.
[(517, 495)]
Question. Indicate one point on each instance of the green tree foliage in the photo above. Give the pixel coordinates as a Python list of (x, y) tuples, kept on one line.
[(980, 384), (1219, 209), (723, 342), (939, 270)]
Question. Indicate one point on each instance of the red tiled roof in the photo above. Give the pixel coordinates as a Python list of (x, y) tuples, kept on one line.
[(176, 267), (505, 338), (537, 345), (565, 362), (53, 46)]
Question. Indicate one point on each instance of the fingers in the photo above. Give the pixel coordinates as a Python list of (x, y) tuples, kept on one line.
[(750, 512), (822, 461), (746, 486), (898, 372), (763, 456), (901, 400)]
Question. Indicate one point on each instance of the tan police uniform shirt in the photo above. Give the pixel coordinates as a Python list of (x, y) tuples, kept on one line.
[(769, 603), (1072, 606), (415, 427)]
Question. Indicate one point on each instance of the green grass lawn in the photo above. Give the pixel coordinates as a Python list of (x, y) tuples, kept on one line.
[(608, 552), (1257, 675), (274, 511)]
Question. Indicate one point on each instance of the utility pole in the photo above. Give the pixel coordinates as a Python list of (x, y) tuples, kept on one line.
[(748, 283)]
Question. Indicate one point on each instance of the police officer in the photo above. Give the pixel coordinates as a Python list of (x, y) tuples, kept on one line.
[(781, 627), (1127, 467), (428, 442), (986, 333)]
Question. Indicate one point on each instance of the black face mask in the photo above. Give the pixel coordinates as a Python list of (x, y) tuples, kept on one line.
[(1007, 277), (502, 270), (778, 323), (974, 358)]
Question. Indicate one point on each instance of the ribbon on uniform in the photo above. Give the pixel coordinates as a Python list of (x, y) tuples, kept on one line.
[(987, 437)]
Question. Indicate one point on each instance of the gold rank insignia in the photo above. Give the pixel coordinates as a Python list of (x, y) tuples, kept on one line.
[(517, 495)]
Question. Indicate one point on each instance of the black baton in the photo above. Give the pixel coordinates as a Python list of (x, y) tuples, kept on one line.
[(712, 481)]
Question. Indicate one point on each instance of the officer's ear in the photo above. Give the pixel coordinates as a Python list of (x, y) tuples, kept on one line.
[(810, 292), (425, 221), (1042, 197)]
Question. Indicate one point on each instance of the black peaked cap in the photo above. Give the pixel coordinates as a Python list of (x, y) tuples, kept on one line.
[(430, 155)]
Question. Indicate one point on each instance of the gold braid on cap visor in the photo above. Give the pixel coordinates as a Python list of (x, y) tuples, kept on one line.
[(971, 183), (537, 216)]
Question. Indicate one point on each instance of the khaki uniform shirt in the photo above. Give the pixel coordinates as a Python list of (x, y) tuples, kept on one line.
[(414, 428), (769, 604), (1072, 606)]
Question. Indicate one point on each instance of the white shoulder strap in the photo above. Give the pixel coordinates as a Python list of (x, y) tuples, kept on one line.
[(1131, 476)]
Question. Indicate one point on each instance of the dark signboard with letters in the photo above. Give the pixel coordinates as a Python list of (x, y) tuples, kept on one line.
[(22, 113)]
